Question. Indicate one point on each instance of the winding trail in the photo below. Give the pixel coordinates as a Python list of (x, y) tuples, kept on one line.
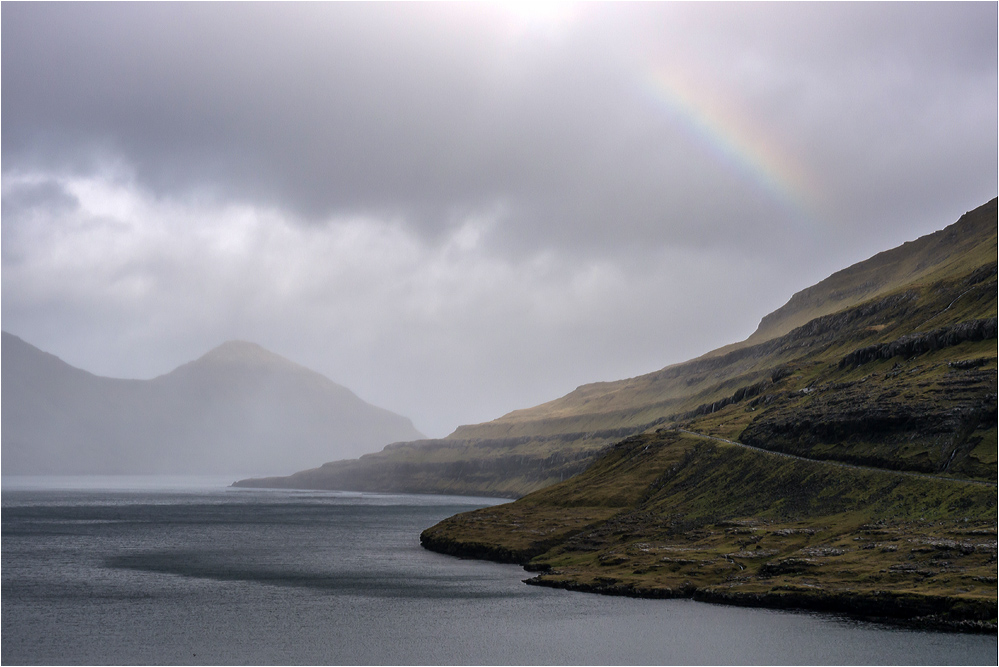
[(839, 464)]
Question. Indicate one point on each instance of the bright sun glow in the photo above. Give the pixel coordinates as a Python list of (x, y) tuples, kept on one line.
[(547, 18)]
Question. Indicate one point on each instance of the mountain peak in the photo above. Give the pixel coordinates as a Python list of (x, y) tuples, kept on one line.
[(238, 408), (241, 356), (243, 352), (239, 349)]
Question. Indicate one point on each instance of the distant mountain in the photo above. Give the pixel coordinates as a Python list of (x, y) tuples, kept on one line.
[(238, 409), (935, 292)]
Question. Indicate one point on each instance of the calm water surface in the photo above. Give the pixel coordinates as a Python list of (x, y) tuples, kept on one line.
[(187, 571)]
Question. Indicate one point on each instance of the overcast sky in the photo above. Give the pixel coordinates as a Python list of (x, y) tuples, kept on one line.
[(458, 210)]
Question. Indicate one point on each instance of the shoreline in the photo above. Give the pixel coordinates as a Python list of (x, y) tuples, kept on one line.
[(908, 610), (897, 609)]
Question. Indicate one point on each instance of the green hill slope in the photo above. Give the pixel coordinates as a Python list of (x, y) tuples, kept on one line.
[(871, 365), (944, 254), (673, 514), (942, 258), (848, 464)]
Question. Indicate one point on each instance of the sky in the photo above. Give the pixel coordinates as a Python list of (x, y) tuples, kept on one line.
[(458, 210)]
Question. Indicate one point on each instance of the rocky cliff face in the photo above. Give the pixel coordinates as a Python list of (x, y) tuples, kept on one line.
[(904, 416), (915, 344)]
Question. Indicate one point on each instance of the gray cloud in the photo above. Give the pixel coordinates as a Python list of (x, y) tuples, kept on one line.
[(491, 182), (424, 110)]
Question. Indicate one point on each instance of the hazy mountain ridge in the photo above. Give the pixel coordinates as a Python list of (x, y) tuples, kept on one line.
[(238, 408), (944, 278)]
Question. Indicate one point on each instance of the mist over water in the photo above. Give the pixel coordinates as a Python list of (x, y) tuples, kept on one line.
[(184, 570)]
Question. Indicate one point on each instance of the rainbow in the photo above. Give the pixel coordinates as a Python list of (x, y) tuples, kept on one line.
[(739, 144)]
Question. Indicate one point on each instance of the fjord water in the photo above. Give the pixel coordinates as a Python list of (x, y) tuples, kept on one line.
[(149, 571)]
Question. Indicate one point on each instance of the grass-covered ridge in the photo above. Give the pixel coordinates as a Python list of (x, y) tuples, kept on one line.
[(931, 258)]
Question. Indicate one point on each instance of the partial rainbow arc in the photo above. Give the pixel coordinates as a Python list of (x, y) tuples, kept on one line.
[(736, 142)]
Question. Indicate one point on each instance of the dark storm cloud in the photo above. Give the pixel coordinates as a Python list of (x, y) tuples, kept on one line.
[(317, 108), (48, 195)]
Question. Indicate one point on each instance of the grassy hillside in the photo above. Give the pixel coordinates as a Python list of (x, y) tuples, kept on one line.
[(938, 256), (671, 514), (871, 368), (848, 464), (944, 260)]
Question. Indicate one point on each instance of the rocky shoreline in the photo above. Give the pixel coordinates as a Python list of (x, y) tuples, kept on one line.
[(922, 612), (481, 551)]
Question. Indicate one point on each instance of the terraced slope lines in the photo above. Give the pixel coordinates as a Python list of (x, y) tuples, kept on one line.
[(890, 362)]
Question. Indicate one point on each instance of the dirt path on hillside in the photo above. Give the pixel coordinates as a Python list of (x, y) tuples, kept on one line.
[(839, 463)]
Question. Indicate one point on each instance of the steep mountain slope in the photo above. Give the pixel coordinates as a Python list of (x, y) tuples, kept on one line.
[(939, 258), (848, 465), (934, 293), (237, 409), (934, 257)]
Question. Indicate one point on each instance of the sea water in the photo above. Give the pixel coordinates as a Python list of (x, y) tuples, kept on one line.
[(172, 570)]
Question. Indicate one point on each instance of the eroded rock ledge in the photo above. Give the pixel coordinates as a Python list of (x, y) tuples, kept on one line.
[(476, 550)]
